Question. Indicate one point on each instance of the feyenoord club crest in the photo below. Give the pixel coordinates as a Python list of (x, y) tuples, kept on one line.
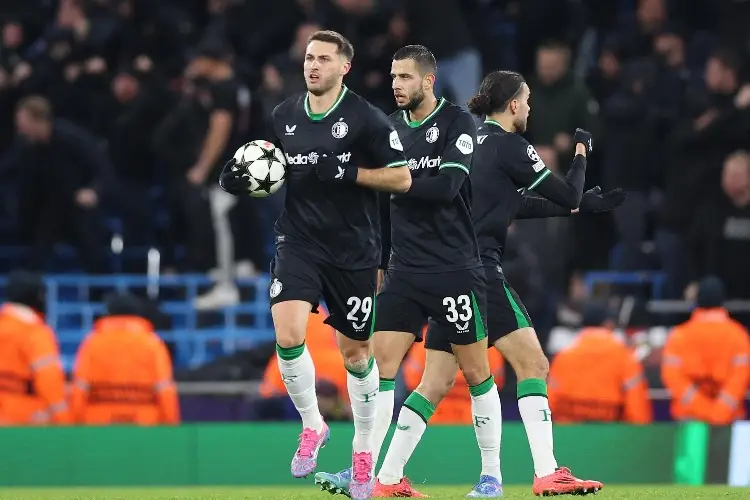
[(432, 134), (339, 130)]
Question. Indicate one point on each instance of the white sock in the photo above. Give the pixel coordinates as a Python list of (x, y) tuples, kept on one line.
[(412, 422), (383, 417), (298, 374), (363, 394), (537, 419), (488, 425)]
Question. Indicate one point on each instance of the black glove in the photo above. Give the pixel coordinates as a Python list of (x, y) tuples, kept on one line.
[(584, 137), (593, 201), (330, 169), (233, 179)]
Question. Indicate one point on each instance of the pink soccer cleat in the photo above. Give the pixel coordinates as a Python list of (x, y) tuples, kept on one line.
[(306, 458), (363, 482)]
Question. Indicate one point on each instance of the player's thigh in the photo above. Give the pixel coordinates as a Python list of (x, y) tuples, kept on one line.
[(294, 291), (458, 310), (512, 332), (399, 321), (439, 375), (505, 310), (350, 298)]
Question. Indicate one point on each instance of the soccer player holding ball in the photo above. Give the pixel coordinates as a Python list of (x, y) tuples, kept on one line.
[(338, 149)]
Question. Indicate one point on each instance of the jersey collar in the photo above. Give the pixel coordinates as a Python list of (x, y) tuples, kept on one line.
[(319, 116), (493, 122), (440, 104)]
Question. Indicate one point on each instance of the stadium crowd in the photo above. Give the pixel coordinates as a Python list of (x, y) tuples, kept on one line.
[(117, 115)]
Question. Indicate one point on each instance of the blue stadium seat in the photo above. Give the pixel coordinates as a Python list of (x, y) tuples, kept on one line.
[(197, 337)]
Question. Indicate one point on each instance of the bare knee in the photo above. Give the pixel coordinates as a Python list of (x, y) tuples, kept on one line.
[(356, 354)]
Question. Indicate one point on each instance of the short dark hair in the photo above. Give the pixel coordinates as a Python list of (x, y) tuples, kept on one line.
[(728, 58), (344, 46), (554, 45), (38, 107), (497, 90), (419, 54)]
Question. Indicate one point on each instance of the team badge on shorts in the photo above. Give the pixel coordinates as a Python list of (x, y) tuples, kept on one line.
[(339, 130), (275, 288)]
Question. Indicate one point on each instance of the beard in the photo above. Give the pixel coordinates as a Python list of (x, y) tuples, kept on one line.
[(323, 86), (520, 125), (414, 101)]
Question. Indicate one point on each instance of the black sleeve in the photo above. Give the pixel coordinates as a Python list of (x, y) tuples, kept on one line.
[(384, 200), (382, 141), (225, 98), (455, 163), (528, 169), (533, 207), (273, 136)]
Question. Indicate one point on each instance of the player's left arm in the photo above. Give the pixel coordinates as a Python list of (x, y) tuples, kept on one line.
[(455, 163), (391, 172), (593, 201)]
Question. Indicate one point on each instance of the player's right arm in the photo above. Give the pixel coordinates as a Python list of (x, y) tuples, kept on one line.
[(392, 173), (527, 169)]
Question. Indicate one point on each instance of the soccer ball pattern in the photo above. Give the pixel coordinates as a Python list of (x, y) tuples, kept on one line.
[(264, 164)]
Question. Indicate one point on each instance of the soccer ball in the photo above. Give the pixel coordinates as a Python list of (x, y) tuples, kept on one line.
[(264, 164)]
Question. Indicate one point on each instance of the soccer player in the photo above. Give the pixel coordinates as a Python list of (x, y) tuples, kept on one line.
[(505, 198), (434, 273), (507, 169), (328, 240)]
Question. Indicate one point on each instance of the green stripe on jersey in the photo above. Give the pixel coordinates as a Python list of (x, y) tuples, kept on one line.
[(539, 179), (453, 164)]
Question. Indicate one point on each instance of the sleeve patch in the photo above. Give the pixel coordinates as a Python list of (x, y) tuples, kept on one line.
[(538, 166), (465, 144), (534, 156), (395, 141)]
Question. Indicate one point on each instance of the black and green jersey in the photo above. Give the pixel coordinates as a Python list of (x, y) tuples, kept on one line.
[(340, 224), (431, 226)]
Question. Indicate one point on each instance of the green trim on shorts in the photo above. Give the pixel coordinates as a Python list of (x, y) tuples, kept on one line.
[(479, 327), (290, 353), (521, 319), (531, 387), (420, 405), (372, 319), (482, 388)]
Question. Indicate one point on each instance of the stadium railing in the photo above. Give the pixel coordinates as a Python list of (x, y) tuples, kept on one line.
[(72, 310)]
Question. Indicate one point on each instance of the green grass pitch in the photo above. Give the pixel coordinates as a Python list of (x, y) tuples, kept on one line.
[(311, 493)]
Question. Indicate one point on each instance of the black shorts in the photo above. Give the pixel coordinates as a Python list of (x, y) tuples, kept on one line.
[(349, 295), (454, 302), (505, 311)]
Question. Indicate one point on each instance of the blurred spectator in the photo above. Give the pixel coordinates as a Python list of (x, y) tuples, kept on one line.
[(719, 242), (62, 175), (715, 122), (32, 385), (611, 390), (706, 361), (560, 103), (123, 372), (282, 75), (441, 26)]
